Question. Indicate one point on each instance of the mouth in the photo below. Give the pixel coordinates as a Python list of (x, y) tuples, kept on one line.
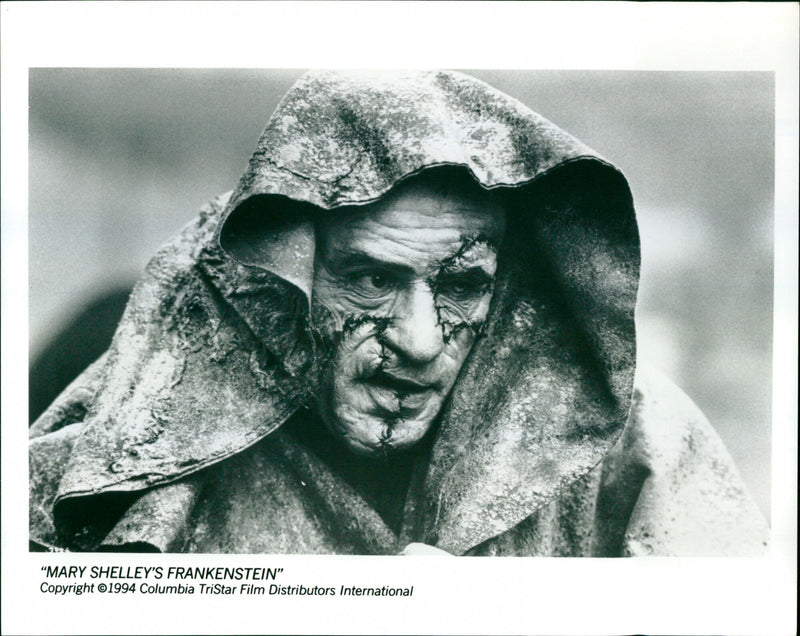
[(402, 386)]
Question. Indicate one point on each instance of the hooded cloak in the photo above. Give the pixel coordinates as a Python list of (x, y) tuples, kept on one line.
[(189, 434)]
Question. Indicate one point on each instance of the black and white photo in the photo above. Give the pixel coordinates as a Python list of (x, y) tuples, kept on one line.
[(410, 326), (307, 305)]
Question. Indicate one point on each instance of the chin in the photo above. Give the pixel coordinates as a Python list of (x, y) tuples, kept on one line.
[(374, 436)]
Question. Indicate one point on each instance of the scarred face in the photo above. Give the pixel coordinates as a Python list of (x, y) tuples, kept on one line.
[(401, 289)]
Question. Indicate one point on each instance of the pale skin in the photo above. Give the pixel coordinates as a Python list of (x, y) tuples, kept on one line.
[(405, 285)]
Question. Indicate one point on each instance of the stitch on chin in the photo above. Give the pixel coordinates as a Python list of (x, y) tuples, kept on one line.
[(385, 440)]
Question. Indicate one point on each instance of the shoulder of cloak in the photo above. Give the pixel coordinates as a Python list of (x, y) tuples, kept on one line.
[(185, 383), (669, 486)]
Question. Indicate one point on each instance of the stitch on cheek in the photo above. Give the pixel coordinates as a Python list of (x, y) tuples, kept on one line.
[(476, 326), (351, 323), (384, 353), (444, 325), (448, 331), (451, 329), (479, 328)]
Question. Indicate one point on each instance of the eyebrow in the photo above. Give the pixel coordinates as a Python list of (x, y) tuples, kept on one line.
[(357, 260), (476, 272)]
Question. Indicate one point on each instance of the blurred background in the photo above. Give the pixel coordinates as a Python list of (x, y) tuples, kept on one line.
[(120, 159)]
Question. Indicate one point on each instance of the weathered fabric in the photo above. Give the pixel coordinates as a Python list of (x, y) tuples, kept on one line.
[(187, 436), (667, 488)]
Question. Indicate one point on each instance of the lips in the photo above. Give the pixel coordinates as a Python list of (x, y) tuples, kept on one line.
[(401, 385)]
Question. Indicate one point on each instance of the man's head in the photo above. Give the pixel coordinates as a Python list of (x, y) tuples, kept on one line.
[(401, 289)]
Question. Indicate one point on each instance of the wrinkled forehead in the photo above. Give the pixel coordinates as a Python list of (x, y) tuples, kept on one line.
[(435, 205)]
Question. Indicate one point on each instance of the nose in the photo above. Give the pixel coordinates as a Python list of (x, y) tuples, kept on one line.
[(415, 332)]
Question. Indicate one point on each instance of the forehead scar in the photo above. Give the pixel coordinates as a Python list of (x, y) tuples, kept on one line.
[(477, 251)]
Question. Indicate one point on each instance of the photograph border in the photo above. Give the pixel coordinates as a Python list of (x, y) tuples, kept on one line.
[(673, 595)]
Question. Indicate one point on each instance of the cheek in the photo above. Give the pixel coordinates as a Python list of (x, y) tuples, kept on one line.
[(357, 356), (456, 317), (342, 394), (354, 352), (457, 349)]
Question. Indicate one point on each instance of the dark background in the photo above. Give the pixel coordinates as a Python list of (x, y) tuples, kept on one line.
[(120, 159)]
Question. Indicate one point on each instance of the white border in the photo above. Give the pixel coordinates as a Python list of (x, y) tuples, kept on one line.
[(755, 596)]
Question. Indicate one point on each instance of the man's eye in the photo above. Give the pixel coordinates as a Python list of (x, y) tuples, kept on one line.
[(372, 283), (379, 281), (466, 287)]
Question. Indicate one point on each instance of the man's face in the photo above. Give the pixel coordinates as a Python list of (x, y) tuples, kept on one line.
[(401, 289)]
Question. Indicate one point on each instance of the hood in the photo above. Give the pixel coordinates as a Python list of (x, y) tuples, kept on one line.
[(214, 351)]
